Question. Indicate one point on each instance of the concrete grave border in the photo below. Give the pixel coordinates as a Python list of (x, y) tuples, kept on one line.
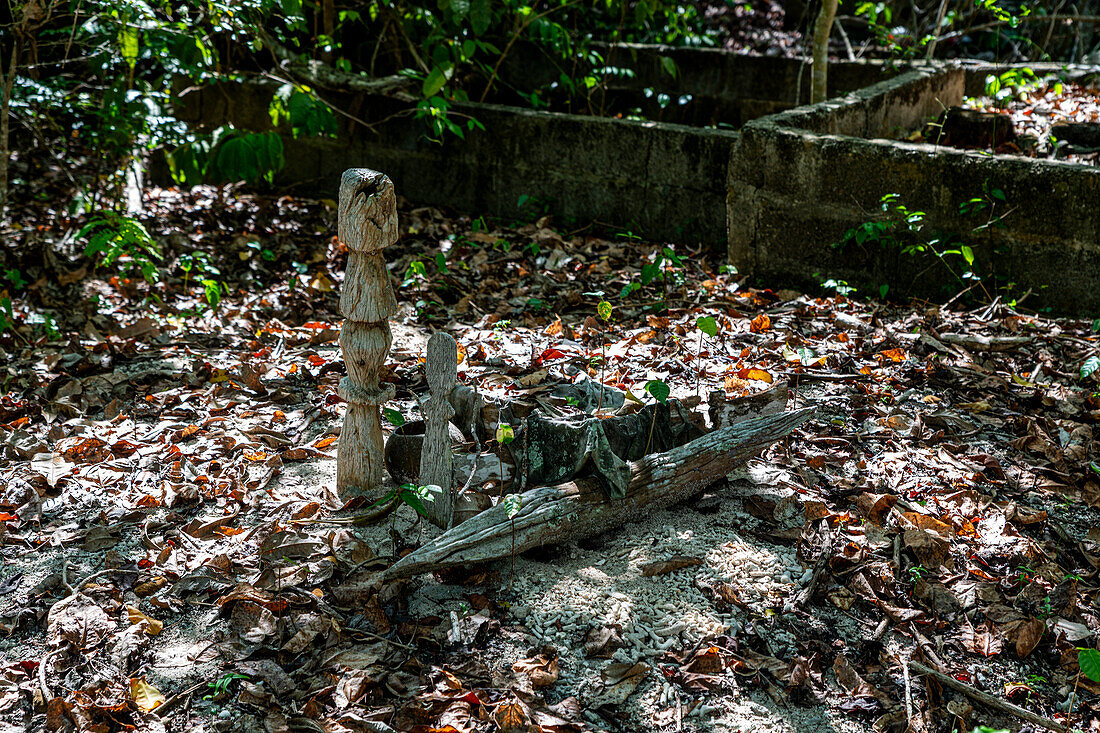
[(640, 176), (799, 179)]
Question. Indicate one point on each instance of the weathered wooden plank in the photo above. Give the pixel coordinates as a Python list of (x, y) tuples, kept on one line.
[(579, 509)]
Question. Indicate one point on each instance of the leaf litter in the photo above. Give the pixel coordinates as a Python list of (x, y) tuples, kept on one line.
[(176, 556)]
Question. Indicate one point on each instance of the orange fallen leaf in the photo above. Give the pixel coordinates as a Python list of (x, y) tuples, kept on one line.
[(753, 373)]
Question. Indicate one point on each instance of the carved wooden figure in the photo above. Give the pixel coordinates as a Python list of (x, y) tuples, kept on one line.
[(435, 458), (368, 224)]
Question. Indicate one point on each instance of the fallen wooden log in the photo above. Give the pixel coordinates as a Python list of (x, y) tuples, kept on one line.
[(578, 509)]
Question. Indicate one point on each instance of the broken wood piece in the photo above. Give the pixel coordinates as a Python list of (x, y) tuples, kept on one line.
[(986, 699), (436, 467), (827, 550), (579, 509), (977, 342), (725, 411)]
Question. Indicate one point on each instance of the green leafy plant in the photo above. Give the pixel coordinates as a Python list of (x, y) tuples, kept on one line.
[(504, 435), (603, 310), (901, 228), (227, 155), (1001, 88), (118, 240), (707, 325), (658, 269), (393, 417), (222, 684), (659, 391), (1089, 661), (1089, 366), (415, 496), (300, 107)]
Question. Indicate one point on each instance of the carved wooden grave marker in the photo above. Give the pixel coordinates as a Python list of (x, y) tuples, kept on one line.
[(368, 224), (435, 458)]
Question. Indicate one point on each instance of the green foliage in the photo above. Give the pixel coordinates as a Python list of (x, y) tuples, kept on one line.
[(1089, 661), (1006, 85), (223, 683), (840, 287), (656, 270), (306, 114), (115, 239), (902, 228), (707, 325), (414, 496), (505, 434), (512, 505), (1089, 366), (603, 310), (658, 390), (393, 417), (7, 313), (228, 155)]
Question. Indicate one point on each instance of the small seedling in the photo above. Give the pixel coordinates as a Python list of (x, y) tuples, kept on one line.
[(504, 436), (512, 504), (221, 686), (707, 325), (659, 391), (603, 310)]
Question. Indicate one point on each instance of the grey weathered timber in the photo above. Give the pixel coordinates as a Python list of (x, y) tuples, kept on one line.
[(368, 223), (579, 509), (435, 457)]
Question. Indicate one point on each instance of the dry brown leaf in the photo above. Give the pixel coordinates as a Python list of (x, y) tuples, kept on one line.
[(541, 669), (676, 562), (872, 506), (761, 323), (930, 548), (1028, 635), (603, 641), (79, 621), (981, 640)]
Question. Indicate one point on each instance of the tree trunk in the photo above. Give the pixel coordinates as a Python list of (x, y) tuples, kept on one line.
[(7, 83), (579, 509), (823, 27)]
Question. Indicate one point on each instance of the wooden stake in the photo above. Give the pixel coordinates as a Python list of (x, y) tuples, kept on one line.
[(368, 224), (435, 457)]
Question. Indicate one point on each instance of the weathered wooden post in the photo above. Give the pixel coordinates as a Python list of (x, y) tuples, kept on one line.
[(435, 457), (368, 224)]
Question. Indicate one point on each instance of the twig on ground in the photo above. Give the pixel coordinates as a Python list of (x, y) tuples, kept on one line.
[(926, 647), (176, 700), (986, 699), (46, 694), (908, 691), (807, 593)]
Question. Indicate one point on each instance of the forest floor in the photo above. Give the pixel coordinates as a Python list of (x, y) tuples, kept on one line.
[(174, 557)]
